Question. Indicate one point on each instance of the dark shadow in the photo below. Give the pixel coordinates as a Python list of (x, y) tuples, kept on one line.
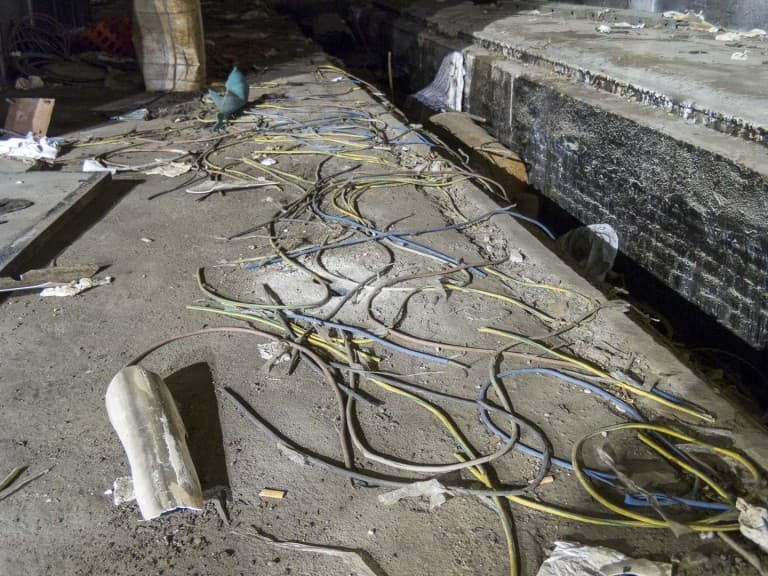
[(66, 230), (193, 390)]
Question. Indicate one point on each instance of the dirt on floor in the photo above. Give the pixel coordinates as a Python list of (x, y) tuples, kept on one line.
[(345, 168)]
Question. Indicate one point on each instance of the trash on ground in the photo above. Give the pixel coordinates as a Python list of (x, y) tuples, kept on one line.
[(628, 26), (147, 421), (170, 169), (233, 99), (447, 89), (272, 493), (573, 559), (210, 186), (27, 115), (593, 247), (753, 523), (357, 562), (140, 114), (45, 277), (740, 55), (93, 165), (432, 489), (122, 491), (30, 148), (9, 485), (736, 36), (604, 29), (74, 288), (31, 82)]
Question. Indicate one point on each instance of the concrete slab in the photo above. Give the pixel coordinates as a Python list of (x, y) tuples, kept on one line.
[(685, 73), (740, 14), (56, 199)]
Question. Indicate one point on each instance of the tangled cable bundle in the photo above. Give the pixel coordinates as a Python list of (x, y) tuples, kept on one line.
[(363, 155)]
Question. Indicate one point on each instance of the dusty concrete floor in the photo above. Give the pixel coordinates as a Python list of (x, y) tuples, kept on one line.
[(59, 355)]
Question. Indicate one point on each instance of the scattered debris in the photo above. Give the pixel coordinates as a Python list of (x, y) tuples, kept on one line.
[(752, 558), (170, 169), (573, 559), (737, 36), (432, 489), (146, 240), (147, 421), (74, 288), (268, 161), (29, 115), (94, 165), (31, 82), (210, 186), (272, 493), (139, 114), (739, 55), (609, 28), (7, 487), (753, 523), (122, 491), (593, 247), (628, 26), (447, 89), (45, 277), (219, 503), (30, 148), (356, 561), (233, 100)]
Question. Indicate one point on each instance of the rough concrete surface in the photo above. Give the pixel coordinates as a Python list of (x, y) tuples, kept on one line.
[(687, 201), (58, 355), (740, 14)]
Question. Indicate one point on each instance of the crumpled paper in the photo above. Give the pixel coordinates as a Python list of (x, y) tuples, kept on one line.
[(753, 523), (574, 559), (30, 148), (432, 489), (74, 288), (170, 169)]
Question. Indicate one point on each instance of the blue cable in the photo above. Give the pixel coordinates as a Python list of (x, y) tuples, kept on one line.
[(366, 334), (382, 236), (606, 478), (396, 236)]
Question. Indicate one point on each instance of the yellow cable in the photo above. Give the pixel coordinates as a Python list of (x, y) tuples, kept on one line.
[(698, 526), (700, 414)]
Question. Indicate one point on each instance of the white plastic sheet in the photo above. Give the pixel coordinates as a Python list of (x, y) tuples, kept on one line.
[(30, 148), (573, 559), (594, 248), (447, 89), (753, 523)]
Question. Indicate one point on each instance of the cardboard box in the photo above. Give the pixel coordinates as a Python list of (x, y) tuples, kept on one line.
[(30, 115)]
